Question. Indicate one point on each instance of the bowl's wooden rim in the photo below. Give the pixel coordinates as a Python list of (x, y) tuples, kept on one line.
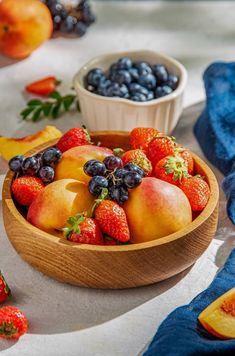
[(200, 219)]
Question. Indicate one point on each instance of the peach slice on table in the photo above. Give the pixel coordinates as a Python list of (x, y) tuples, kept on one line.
[(219, 317)]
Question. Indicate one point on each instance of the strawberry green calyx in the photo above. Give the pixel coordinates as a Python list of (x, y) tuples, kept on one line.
[(74, 222), (6, 289), (8, 329), (143, 163), (176, 165), (103, 195), (118, 152), (88, 137)]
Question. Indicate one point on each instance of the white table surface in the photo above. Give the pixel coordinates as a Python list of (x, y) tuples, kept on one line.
[(70, 321)]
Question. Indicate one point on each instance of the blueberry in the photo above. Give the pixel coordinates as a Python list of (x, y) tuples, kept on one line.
[(57, 20), (172, 81), (124, 63), (120, 173), (160, 72), (122, 77), (46, 173), (139, 97), (94, 168), (150, 95), (96, 185), (80, 28), (95, 76), (102, 88), (87, 16), (143, 68), (119, 90), (15, 163), (51, 156), (68, 24), (162, 91), (131, 167), (30, 166), (148, 81), (134, 74), (119, 194), (113, 162), (132, 180), (38, 156), (113, 68), (137, 88)]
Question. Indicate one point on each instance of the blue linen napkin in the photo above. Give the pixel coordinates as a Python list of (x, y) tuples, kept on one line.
[(182, 335), (215, 127)]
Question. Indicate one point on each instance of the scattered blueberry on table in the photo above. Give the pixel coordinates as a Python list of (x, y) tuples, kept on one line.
[(136, 81)]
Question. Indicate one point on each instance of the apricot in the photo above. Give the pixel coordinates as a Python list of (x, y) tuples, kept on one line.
[(219, 317), (57, 202), (156, 209), (24, 26), (10, 147), (73, 160)]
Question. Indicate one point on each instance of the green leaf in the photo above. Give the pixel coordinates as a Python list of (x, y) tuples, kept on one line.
[(47, 109), (55, 110), (78, 106), (36, 114), (26, 112), (68, 101), (34, 102), (55, 95)]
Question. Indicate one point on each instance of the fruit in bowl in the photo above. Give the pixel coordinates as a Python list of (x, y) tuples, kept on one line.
[(99, 251)]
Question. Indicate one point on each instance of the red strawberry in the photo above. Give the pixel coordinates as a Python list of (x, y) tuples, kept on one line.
[(84, 230), (141, 136), (108, 241), (26, 188), (159, 148), (139, 158), (13, 323), (4, 289), (112, 220), (43, 86), (171, 169), (72, 138), (197, 192), (186, 155)]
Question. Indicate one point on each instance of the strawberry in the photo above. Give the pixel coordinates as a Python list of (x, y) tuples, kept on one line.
[(139, 158), (26, 188), (112, 220), (4, 289), (187, 156), (108, 241), (43, 86), (13, 323), (84, 230), (159, 148), (171, 169), (72, 138), (141, 136), (197, 192)]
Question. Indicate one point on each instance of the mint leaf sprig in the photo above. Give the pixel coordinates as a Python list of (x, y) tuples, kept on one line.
[(56, 104)]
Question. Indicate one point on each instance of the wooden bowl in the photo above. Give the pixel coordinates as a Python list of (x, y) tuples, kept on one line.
[(112, 266)]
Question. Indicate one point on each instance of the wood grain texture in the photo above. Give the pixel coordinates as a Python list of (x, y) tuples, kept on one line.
[(112, 266)]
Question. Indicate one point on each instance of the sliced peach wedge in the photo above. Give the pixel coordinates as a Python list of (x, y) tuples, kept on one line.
[(219, 317)]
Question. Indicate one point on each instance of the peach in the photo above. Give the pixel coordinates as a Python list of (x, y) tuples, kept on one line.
[(73, 160), (57, 202), (219, 317), (156, 209), (24, 26)]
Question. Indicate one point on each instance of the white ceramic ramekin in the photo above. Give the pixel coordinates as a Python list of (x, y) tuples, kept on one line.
[(102, 113)]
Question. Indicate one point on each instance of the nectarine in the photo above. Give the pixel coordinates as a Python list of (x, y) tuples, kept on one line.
[(24, 26), (219, 317), (58, 201), (156, 209), (73, 160)]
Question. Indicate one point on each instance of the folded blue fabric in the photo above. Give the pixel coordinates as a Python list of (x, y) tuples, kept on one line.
[(215, 128), (182, 335)]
